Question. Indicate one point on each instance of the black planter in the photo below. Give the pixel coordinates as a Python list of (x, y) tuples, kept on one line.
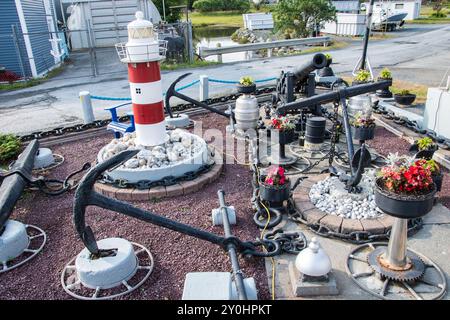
[(405, 100), (274, 194), (363, 133), (246, 89), (285, 136), (423, 154), (403, 206), (315, 129), (438, 179), (384, 93)]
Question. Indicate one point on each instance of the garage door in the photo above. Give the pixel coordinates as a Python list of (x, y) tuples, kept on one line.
[(110, 19)]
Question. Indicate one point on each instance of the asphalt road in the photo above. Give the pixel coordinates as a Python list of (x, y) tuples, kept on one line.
[(417, 53)]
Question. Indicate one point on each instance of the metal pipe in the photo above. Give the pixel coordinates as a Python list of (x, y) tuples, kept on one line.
[(367, 34), (237, 273), (333, 96), (396, 251), (348, 134), (12, 186), (318, 62)]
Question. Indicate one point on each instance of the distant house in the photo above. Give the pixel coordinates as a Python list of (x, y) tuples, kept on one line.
[(346, 6), (26, 38)]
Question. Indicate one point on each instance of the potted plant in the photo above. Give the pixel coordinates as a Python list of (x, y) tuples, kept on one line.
[(246, 85), (326, 71), (436, 173), (404, 97), (274, 187), (363, 128), (363, 76), (424, 148), (404, 188), (285, 129), (385, 74)]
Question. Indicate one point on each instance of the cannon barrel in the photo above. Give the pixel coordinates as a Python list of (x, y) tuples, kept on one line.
[(318, 62), (333, 96)]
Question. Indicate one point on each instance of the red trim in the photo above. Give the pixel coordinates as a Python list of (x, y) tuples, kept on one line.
[(148, 113), (144, 72)]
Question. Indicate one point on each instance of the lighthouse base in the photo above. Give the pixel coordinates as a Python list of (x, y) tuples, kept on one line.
[(182, 152)]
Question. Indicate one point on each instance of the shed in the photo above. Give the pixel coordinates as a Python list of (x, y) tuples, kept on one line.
[(348, 6), (258, 21), (103, 23), (28, 37)]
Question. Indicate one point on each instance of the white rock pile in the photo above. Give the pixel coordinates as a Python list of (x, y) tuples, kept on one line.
[(330, 196), (179, 146)]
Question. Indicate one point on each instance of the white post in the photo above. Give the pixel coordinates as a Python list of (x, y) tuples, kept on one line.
[(269, 53), (86, 105), (204, 88)]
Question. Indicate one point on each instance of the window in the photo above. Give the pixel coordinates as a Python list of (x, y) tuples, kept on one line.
[(138, 90), (399, 6)]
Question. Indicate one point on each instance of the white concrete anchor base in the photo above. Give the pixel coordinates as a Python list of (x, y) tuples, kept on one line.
[(178, 121), (217, 216), (302, 288), (44, 158), (15, 241), (106, 272), (215, 286)]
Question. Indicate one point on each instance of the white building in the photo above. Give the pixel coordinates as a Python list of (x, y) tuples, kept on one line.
[(410, 7), (347, 6)]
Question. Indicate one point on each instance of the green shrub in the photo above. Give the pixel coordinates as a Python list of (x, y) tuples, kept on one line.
[(425, 143), (222, 5), (439, 14), (9, 147), (404, 92), (246, 81), (385, 74)]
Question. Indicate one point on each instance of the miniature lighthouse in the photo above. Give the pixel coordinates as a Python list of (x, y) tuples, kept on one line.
[(142, 53)]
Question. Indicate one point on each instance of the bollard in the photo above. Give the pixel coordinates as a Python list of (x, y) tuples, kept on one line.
[(86, 105), (204, 88), (219, 56), (269, 53)]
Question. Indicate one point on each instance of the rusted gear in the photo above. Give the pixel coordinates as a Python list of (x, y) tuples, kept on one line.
[(414, 272)]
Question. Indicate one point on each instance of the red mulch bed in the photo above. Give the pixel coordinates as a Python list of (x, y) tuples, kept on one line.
[(175, 254)]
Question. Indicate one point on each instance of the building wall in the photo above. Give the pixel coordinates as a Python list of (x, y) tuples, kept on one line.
[(411, 7), (351, 6), (37, 26), (9, 55)]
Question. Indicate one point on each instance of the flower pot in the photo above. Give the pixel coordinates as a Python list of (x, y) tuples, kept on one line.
[(423, 154), (438, 179), (384, 93), (284, 136), (246, 89), (403, 206), (363, 133), (405, 100), (315, 130), (274, 194)]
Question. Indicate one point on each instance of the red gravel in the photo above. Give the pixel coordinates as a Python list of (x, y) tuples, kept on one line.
[(175, 254)]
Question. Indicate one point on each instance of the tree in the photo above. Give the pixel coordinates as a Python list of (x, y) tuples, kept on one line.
[(303, 16), (172, 15)]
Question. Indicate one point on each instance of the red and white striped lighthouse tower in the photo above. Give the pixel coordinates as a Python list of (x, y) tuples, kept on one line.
[(142, 53)]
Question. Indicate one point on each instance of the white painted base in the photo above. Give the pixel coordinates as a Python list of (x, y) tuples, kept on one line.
[(217, 216), (177, 169), (151, 134), (215, 286), (13, 241), (179, 121), (107, 272), (44, 158)]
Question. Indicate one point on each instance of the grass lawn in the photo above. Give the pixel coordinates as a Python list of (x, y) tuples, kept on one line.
[(218, 19), (195, 64), (425, 16)]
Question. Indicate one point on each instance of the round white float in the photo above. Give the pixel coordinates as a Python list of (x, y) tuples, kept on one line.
[(107, 272), (13, 241), (175, 168), (44, 158), (178, 121)]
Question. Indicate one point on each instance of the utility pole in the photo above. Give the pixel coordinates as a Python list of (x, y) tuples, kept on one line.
[(367, 34)]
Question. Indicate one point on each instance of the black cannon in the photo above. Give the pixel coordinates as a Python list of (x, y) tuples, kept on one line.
[(301, 80)]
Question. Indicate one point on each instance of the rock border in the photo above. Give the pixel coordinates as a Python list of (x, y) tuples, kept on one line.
[(178, 189), (314, 215)]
